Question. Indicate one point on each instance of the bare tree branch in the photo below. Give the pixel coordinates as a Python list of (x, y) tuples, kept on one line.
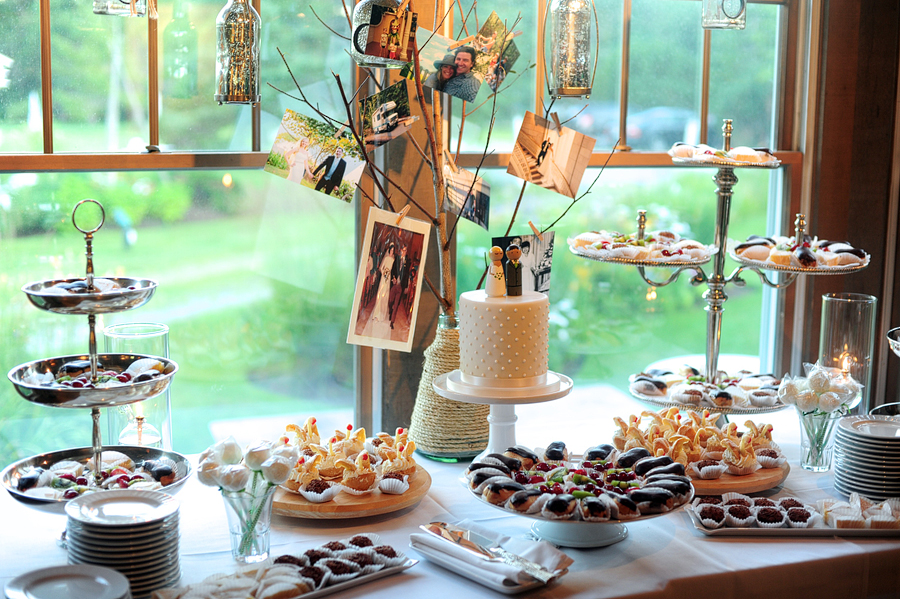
[(324, 24), (586, 192)]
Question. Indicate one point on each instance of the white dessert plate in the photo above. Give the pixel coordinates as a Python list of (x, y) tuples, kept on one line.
[(866, 486), (161, 555), (870, 443), (451, 386), (847, 490), (69, 582), (135, 533), (849, 465), (118, 543), (872, 427), (871, 453), (873, 480), (122, 508)]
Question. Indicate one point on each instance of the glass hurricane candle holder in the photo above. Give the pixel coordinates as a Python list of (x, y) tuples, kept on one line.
[(724, 14), (573, 48), (847, 338)]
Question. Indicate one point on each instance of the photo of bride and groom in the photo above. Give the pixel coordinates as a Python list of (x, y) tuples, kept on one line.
[(388, 283)]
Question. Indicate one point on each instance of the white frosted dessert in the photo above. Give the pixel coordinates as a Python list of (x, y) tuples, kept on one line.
[(503, 341)]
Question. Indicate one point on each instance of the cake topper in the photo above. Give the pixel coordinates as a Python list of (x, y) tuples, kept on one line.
[(513, 271), (496, 281)]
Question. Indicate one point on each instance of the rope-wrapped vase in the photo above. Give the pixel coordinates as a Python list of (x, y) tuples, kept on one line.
[(441, 427)]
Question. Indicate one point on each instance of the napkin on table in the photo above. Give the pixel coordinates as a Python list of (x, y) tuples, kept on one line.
[(539, 552)]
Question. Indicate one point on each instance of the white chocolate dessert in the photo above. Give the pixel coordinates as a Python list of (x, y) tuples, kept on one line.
[(739, 155), (811, 253), (656, 246), (503, 341)]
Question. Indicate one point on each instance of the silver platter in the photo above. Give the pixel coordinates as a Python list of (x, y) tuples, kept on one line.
[(68, 397), (668, 403), (829, 270), (116, 300), (647, 263), (9, 478), (719, 162)]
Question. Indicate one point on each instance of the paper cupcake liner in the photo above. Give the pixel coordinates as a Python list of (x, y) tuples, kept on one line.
[(494, 471), (798, 524), (352, 491), (326, 577), (707, 472), (768, 462), (882, 522), (373, 567), (545, 513), (390, 562), (713, 524), (726, 497), (784, 500), (739, 471), (759, 523), (339, 578), (840, 521), (698, 503), (494, 479), (326, 495), (739, 522), (352, 540)]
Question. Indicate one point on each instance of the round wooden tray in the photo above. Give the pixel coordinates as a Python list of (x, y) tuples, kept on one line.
[(761, 480), (345, 505)]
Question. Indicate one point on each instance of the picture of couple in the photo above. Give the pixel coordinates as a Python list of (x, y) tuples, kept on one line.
[(536, 259), (453, 74), (388, 284), (312, 154)]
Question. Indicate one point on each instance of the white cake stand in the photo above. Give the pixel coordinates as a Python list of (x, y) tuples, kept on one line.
[(502, 417)]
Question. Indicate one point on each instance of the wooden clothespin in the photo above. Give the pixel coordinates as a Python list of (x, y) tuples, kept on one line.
[(402, 6), (461, 42), (556, 122), (449, 158), (402, 214), (339, 132), (536, 232)]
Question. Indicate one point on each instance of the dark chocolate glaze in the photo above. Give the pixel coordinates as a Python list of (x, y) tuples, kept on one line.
[(480, 477), (599, 452), (522, 499), (673, 468), (855, 251), (644, 465), (522, 452), (561, 504), (593, 507), (768, 239), (481, 465), (657, 477), (626, 504), (556, 451), (675, 486), (661, 385), (628, 459), (651, 495), (511, 463), (806, 258)]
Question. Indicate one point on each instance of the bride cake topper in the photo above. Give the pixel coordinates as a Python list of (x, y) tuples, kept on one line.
[(496, 281)]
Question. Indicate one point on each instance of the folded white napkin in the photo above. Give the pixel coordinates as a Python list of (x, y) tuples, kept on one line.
[(499, 573)]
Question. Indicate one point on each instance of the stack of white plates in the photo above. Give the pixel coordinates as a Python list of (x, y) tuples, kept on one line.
[(69, 582), (867, 456), (134, 532)]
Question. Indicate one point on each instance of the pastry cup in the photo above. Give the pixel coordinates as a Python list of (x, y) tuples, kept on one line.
[(707, 472), (394, 486), (389, 562), (367, 551), (326, 495)]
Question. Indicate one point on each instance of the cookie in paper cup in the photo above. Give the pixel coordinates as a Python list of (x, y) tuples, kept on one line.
[(314, 493), (707, 469), (733, 498), (387, 555), (711, 516), (341, 569), (364, 557), (800, 517), (768, 457), (363, 539), (294, 560), (316, 576), (394, 484), (739, 516), (769, 517)]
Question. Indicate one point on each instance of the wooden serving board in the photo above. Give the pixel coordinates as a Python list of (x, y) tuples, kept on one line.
[(345, 505), (761, 480)]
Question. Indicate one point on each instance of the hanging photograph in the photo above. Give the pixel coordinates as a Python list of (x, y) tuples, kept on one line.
[(451, 71), (316, 155), (467, 196), (537, 257), (385, 115), (389, 282), (389, 33), (554, 158), (497, 53)]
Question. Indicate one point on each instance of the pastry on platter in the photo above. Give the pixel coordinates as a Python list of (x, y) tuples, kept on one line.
[(305, 471), (402, 463), (358, 474)]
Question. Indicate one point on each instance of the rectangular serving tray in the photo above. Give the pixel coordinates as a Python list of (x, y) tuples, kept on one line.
[(365, 578), (728, 531)]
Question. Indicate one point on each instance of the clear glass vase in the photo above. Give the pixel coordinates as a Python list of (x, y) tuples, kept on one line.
[(816, 430), (249, 519)]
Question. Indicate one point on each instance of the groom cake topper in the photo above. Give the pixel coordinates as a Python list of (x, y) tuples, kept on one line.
[(513, 271)]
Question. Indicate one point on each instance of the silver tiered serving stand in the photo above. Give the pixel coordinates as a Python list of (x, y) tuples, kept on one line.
[(716, 281), (93, 300)]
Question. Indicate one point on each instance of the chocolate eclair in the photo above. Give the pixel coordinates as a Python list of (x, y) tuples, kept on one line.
[(599, 452), (479, 480), (475, 466), (680, 489), (527, 457), (560, 506), (673, 468), (645, 465), (625, 507), (595, 509), (556, 452), (630, 457), (521, 501), (651, 500), (499, 491), (655, 477), (513, 464)]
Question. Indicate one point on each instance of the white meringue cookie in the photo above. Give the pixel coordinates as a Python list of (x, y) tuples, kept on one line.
[(256, 454), (277, 469), (234, 477)]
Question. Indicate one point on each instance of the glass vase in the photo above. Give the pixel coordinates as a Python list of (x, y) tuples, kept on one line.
[(249, 519), (816, 429)]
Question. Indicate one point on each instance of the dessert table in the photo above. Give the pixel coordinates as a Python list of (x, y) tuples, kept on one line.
[(661, 557)]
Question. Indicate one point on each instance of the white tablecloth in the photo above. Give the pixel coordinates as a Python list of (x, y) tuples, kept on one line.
[(661, 557)]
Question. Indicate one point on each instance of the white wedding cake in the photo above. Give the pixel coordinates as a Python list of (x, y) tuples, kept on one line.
[(503, 341)]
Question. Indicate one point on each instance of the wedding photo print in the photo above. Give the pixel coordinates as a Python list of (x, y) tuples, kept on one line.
[(467, 196), (312, 154), (447, 68), (497, 53), (390, 33), (385, 115), (536, 259), (389, 282), (554, 158)]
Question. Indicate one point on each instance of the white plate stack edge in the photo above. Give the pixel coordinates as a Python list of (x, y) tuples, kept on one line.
[(867, 456)]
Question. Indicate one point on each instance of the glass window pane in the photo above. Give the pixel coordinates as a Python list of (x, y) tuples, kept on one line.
[(742, 72), (606, 322), (99, 80), (516, 91), (257, 311), (21, 117), (665, 70)]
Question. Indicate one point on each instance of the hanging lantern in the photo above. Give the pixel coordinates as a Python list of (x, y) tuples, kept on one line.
[(724, 14), (384, 32), (572, 62), (237, 55)]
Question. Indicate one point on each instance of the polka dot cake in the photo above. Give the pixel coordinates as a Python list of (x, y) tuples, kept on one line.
[(503, 341)]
